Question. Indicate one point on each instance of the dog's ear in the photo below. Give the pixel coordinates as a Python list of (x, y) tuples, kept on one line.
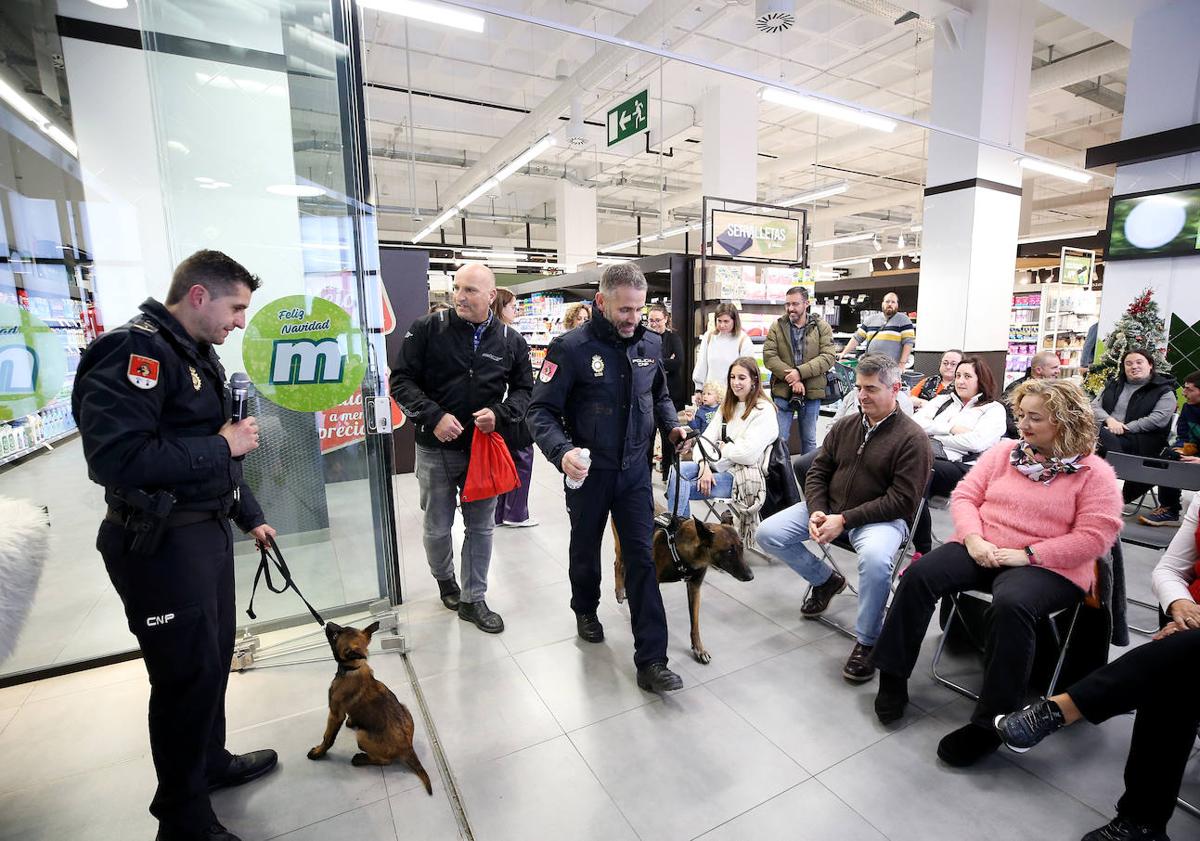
[(370, 629), (702, 530), (332, 629)]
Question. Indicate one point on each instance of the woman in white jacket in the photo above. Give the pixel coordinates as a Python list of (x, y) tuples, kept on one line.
[(961, 425), (719, 347), (741, 431)]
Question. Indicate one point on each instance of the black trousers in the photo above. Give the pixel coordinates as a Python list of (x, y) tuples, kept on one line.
[(945, 476), (1159, 680), (180, 605), (1021, 596), (627, 495)]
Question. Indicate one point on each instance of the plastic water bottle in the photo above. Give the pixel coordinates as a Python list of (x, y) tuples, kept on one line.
[(585, 456)]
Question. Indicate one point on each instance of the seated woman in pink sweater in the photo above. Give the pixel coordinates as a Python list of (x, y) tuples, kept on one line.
[(1030, 520)]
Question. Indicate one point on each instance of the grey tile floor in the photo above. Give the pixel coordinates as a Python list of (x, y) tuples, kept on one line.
[(548, 737)]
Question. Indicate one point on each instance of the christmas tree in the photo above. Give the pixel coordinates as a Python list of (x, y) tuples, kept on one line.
[(1141, 327)]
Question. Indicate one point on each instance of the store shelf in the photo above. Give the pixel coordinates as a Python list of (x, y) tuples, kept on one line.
[(16, 454)]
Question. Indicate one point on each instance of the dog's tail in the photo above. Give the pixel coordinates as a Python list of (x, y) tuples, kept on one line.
[(413, 761)]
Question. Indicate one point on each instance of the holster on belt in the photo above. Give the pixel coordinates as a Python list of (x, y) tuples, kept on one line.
[(146, 517)]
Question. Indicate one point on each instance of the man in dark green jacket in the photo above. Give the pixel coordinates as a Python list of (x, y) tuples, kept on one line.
[(798, 352)]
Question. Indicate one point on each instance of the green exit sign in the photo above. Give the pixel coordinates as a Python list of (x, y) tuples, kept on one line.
[(629, 118)]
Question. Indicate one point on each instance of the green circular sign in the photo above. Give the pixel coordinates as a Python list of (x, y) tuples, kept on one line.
[(33, 362), (303, 353)]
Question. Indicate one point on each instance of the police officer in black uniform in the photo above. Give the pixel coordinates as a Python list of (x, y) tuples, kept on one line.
[(153, 412), (602, 387)]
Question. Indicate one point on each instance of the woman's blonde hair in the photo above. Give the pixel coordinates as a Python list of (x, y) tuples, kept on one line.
[(571, 315), (750, 365), (1070, 411), (502, 300)]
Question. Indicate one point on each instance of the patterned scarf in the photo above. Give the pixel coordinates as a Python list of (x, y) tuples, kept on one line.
[(1024, 458)]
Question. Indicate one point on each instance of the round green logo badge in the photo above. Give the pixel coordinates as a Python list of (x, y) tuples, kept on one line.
[(33, 362), (303, 353)]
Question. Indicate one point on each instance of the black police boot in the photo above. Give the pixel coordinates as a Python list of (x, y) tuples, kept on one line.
[(589, 627), (478, 612), (245, 767), (449, 592), (658, 678), (216, 832)]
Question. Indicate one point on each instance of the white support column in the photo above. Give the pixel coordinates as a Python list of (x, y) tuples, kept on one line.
[(973, 194), (575, 210), (730, 151), (1163, 92)]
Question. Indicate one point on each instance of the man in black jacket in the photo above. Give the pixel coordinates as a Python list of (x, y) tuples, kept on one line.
[(659, 321), (456, 369)]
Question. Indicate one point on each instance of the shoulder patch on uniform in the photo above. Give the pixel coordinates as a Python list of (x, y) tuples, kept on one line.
[(147, 326), (142, 371), (548, 371)]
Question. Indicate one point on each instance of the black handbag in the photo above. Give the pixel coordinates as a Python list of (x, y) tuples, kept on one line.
[(782, 490)]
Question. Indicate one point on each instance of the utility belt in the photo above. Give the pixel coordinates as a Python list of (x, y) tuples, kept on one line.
[(148, 517)]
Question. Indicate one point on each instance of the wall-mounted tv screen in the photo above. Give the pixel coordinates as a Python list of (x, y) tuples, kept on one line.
[(1156, 223)]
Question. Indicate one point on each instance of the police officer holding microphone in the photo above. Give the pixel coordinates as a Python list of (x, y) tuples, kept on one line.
[(602, 388), (154, 416)]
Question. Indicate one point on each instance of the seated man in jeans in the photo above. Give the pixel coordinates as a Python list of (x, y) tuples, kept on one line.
[(867, 480)]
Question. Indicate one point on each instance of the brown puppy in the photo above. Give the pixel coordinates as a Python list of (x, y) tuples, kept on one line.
[(384, 727), (701, 546)]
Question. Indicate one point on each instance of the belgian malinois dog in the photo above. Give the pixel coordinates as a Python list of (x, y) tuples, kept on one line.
[(383, 725), (701, 546)]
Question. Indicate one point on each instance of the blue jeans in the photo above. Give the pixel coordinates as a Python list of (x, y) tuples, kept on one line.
[(782, 535), (688, 470), (440, 474), (808, 423)]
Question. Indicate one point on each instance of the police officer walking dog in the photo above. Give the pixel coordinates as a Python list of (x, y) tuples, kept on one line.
[(602, 387), (151, 404)]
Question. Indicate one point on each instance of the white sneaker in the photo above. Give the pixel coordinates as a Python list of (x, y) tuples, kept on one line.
[(524, 524)]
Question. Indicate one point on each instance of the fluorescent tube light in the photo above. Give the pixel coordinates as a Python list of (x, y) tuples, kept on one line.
[(617, 246), (526, 156), (848, 238), (428, 12), (435, 224), (494, 255), (477, 192), (1055, 170), (674, 232), (828, 109), (823, 193), (30, 112)]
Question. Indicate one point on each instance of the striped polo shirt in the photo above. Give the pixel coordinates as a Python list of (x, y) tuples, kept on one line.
[(890, 339)]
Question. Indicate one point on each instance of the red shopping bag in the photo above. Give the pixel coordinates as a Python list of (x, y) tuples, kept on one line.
[(491, 471)]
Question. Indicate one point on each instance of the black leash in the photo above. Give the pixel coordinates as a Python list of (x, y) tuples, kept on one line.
[(671, 526), (273, 555)]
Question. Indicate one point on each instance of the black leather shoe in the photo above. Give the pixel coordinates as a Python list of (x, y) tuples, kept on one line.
[(485, 619), (589, 627), (967, 745), (245, 767), (858, 668), (449, 592), (658, 678), (891, 699), (818, 600), (1123, 829), (216, 832)]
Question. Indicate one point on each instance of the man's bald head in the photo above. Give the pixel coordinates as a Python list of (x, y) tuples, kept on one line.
[(1045, 365), (474, 291)]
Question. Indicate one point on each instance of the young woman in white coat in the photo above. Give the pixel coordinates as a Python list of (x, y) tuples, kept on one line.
[(961, 425), (740, 431), (719, 347)]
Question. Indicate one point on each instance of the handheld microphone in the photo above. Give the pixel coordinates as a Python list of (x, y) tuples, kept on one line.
[(239, 387)]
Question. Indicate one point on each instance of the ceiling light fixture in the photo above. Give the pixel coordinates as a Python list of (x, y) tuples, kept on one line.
[(674, 232), (428, 12), (1054, 169), (853, 261), (477, 193), (526, 156), (617, 246), (811, 104), (916, 229), (840, 240), (435, 224), (876, 244), (822, 193), (495, 255), (27, 110), (900, 240), (887, 264), (1050, 237), (111, 4)]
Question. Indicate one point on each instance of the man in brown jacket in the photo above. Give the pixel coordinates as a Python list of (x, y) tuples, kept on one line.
[(867, 480), (798, 352)]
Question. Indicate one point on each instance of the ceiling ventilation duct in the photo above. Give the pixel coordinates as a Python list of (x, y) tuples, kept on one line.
[(773, 16), (576, 131)]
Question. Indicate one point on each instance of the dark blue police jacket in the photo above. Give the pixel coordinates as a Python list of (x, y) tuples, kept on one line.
[(603, 392)]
